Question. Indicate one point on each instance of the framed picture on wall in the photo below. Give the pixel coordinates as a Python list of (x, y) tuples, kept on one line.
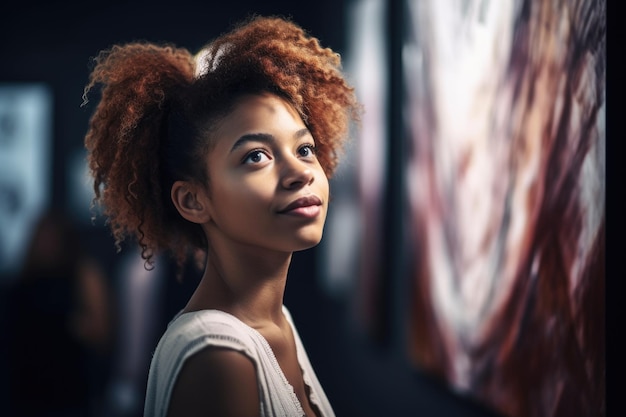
[(25, 165)]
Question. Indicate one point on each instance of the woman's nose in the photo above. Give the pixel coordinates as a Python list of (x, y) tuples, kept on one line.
[(296, 174)]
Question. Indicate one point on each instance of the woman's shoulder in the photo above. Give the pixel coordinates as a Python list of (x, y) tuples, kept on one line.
[(216, 380), (192, 341)]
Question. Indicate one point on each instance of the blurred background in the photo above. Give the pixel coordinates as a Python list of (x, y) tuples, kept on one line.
[(462, 268)]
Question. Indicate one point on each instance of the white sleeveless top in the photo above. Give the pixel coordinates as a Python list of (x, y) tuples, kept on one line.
[(189, 333)]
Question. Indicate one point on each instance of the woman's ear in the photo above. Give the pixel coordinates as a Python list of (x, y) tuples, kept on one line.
[(191, 201)]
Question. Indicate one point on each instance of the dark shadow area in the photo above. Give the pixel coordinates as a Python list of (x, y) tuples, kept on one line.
[(361, 378)]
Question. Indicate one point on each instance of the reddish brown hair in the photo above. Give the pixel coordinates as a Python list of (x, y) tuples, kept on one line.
[(153, 123)]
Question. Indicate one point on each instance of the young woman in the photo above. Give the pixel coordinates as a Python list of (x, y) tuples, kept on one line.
[(227, 152)]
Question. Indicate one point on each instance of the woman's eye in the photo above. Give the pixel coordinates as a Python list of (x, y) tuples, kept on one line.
[(307, 151), (255, 157)]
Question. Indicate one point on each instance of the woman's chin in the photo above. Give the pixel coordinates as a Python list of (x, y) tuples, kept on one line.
[(307, 242)]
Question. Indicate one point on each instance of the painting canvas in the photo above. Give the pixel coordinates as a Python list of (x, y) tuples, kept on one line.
[(506, 191)]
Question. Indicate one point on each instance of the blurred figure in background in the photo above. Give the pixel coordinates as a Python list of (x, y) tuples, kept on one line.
[(59, 325), (146, 300)]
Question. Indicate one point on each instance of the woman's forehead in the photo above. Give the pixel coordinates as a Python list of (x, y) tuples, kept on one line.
[(260, 113)]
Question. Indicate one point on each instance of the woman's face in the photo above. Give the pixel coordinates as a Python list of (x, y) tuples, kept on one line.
[(267, 188)]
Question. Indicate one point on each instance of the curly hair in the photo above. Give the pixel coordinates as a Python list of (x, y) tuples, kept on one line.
[(160, 103)]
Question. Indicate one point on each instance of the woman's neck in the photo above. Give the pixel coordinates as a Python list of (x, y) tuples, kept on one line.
[(247, 284)]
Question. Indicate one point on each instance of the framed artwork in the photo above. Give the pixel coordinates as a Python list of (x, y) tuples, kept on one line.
[(506, 184), (25, 165)]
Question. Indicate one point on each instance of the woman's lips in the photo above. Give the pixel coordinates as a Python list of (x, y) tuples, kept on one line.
[(306, 211), (308, 207)]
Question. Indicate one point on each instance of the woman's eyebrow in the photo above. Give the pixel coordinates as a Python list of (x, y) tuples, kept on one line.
[(265, 138), (301, 133), (253, 137)]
